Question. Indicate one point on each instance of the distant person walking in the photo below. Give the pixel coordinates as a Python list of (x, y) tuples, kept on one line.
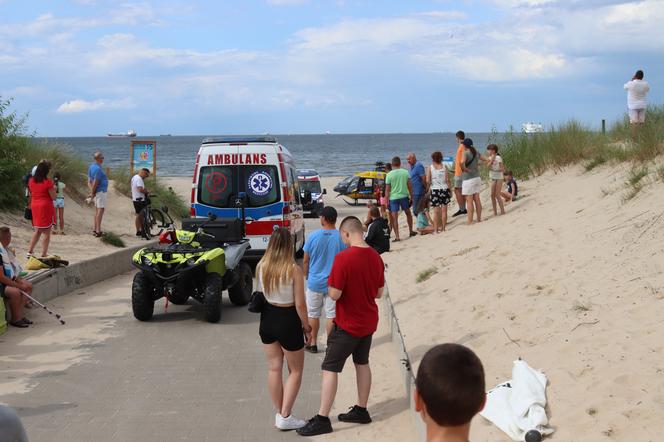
[(399, 192), (496, 169), (637, 89), (471, 183), (438, 181), (139, 196), (98, 184), (458, 171), (59, 203), (319, 251), (417, 180), (283, 324), (42, 194), (356, 280)]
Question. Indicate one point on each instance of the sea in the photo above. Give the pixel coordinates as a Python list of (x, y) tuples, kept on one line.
[(329, 154)]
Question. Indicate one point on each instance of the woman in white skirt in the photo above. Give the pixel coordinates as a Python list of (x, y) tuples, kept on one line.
[(471, 183), (438, 182)]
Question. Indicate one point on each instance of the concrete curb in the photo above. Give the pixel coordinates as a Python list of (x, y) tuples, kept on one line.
[(405, 364), (63, 280)]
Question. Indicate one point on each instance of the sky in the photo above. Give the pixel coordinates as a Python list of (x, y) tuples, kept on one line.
[(88, 67)]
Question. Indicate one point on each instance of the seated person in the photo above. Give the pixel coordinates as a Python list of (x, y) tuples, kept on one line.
[(512, 187), (378, 231), (424, 221), (11, 285), (449, 392)]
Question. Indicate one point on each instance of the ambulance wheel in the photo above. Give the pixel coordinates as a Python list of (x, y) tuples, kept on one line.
[(241, 291)]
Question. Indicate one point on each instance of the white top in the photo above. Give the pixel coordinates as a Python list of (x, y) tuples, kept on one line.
[(438, 178), (636, 94), (137, 182), (283, 296), (494, 168)]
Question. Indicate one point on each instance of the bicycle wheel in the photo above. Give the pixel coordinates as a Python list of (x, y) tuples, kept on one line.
[(154, 223)]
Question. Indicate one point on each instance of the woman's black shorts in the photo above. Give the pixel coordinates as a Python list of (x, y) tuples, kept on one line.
[(282, 325), (440, 197)]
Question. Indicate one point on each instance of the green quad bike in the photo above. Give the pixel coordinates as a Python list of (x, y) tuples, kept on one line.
[(200, 261)]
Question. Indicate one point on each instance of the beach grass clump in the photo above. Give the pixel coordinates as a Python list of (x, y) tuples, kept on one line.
[(635, 182), (165, 197), (19, 152), (660, 173), (581, 307), (112, 239), (426, 274), (649, 141)]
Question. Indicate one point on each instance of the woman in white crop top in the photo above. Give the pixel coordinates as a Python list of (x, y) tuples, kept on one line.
[(283, 325), (438, 181)]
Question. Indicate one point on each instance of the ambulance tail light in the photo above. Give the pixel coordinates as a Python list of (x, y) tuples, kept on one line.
[(286, 216), (192, 211)]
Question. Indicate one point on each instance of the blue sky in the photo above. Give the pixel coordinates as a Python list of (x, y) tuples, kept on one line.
[(86, 67)]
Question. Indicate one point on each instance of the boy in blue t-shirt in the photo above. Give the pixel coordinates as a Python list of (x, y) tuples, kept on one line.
[(319, 251)]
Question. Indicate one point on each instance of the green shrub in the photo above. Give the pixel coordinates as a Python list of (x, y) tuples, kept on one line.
[(112, 239)]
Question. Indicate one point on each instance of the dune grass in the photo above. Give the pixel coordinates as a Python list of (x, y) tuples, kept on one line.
[(426, 274), (19, 152), (529, 155)]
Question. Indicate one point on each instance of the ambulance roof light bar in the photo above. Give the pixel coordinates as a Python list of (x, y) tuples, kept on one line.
[(239, 140)]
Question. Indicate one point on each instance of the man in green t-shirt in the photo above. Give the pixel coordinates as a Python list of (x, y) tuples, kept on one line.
[(399, 192)]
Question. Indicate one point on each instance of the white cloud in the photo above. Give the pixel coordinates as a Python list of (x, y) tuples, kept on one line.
[(78, 105)]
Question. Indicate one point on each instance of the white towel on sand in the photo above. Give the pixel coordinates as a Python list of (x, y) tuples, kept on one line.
[(517, 406)]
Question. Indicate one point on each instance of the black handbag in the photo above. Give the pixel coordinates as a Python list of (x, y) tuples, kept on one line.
[(27, 213), (257, 302)]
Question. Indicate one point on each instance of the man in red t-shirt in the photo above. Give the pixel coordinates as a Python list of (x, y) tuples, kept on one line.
[(356, 280)]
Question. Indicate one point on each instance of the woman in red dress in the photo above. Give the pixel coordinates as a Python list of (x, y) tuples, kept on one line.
[(42, 194)]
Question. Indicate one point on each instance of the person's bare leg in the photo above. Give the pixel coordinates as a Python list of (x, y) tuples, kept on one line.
[(61, 213), (444, 217), (633, 127), (395, 224), (15, 303), (315, 325), (33, 241), (328, 391), (478, 207), (275, 363), (295, 361), (409, 220), (137, 222), (460, 198), (101, 216), (46, 241), (470, 208), (436, 219), (494, 203), (499, 188), (363, 376)]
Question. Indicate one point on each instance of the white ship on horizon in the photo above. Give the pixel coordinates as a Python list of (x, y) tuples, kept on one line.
[(532, 128), (130, 133)]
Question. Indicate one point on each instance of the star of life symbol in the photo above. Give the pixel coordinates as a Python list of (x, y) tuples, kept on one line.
[(260, 183)]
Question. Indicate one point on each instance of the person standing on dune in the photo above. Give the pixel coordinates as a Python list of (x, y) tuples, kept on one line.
[(637, 89), (458, 170)]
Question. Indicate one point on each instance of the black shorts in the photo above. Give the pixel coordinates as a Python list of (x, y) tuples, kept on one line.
[(282, 325), (440, 197), (340, 345), (139, 205)]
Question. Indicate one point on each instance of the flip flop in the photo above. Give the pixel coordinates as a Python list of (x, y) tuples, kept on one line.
[(19, 324), (26, 321), (413, 233)]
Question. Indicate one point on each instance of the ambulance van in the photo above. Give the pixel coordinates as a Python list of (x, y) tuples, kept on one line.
[(261, 168)]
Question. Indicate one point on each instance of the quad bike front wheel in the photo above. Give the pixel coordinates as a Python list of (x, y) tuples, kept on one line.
[(240, 292), (212, 297), (142, 297)]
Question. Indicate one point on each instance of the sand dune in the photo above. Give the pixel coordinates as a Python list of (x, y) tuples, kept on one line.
[(570, 279)]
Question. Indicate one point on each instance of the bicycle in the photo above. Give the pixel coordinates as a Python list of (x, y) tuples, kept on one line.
[(154, 220)]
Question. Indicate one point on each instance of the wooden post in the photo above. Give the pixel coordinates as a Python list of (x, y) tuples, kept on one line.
[(603, 126)]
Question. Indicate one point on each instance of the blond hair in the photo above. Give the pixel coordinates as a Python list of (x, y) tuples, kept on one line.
[(276, 266)]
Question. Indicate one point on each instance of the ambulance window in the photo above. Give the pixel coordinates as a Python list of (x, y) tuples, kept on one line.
[(216, 185), (262, 185)]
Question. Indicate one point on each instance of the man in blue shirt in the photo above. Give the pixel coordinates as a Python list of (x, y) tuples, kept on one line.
[(98, 184), (319, 251), (417, 179)]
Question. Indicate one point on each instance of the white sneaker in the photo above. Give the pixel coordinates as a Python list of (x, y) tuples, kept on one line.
[(288, 423)]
